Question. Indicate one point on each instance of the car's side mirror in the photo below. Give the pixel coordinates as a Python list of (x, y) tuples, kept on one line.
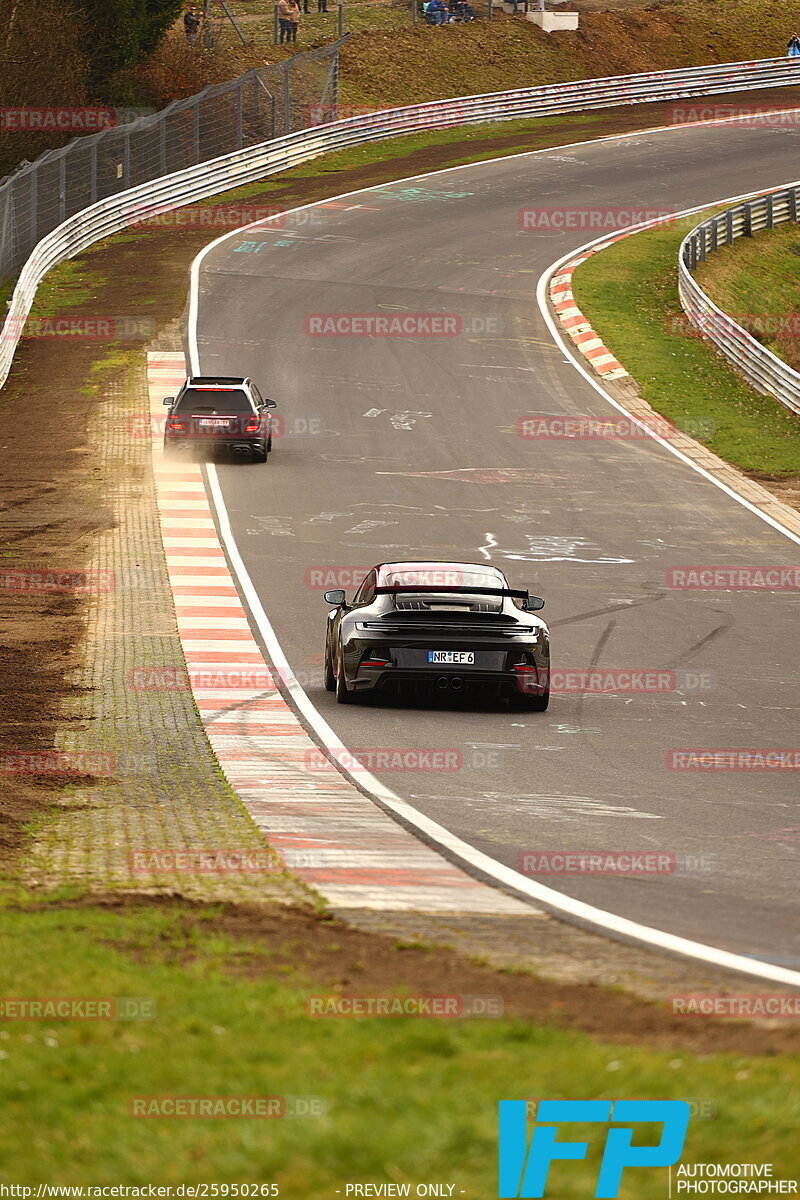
[(533, 604), (269, 404), (336, 597), (170, 400)]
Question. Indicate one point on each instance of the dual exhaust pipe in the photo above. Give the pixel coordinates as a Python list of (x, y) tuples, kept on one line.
[(446, 682)]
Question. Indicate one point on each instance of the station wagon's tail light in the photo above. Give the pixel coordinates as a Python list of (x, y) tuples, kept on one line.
[(175, 424), (252, 425)]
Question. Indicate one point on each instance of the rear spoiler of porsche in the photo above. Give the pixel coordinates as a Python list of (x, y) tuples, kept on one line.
[(448, 589)]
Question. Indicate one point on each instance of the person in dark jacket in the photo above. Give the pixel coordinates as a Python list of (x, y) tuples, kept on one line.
[(191, 24), (793, 47), (436, 13)]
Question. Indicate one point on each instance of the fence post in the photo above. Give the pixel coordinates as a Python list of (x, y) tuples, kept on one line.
[(714, 233), (770, 214), (287, 100), (275, 25), (162, 146), (34, 203), (196, 137), (335, 80), (729, 227), (748, 220), (126, 160), (341, 17), (93, 173), (239, 115), (62, 188), (792, 204)]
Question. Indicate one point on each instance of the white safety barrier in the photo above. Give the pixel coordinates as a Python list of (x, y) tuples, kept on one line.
[(761, 368)]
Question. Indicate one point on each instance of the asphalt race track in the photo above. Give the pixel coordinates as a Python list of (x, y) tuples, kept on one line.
[(408, 448)]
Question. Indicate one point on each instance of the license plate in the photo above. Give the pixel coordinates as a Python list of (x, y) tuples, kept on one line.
[(212, 421), (451, 656)]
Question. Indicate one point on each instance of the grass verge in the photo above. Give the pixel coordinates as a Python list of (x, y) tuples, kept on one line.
[(404, 1099), (629, 293)]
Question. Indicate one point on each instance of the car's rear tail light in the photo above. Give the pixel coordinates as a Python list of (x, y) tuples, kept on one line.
[(175, 424), (251, 426), (374, 658)]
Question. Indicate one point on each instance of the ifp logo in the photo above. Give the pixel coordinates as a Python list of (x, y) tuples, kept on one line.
[(524, 1169)]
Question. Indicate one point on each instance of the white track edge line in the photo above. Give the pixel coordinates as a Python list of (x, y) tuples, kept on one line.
[(504, 876)]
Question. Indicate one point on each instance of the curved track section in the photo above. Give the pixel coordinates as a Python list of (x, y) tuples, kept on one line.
[(400, 447)]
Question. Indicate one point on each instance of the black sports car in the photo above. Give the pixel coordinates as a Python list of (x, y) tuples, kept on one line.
[(438, 626)]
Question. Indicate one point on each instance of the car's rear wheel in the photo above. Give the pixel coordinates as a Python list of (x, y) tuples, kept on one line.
[(343, 696), (329, 673), (531, 703)]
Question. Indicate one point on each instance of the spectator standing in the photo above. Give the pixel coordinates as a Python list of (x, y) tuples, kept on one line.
[(191, 24), (793, 47), (322, 6), (285, 19), (294, 18)]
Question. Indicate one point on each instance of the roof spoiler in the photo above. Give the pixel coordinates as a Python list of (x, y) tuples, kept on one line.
[(393, 589)]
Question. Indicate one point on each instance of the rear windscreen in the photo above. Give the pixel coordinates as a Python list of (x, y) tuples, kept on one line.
[(214, 400)]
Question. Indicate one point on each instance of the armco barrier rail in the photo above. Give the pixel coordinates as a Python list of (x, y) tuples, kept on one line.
[(764, 370), (256, 162)]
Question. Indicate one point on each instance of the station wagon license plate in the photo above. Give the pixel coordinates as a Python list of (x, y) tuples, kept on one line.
[(212, 421), (458, 657)]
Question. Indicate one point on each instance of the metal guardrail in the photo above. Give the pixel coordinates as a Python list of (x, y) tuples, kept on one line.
[(761, 368), (244, 166)]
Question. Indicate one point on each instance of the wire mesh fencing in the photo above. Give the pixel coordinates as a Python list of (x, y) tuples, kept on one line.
[(257, 107)]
